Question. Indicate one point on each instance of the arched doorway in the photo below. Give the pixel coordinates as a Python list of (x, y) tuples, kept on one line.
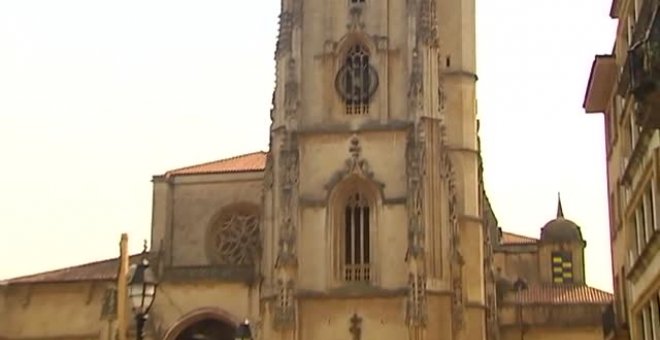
[(207, 329), (204, 324)]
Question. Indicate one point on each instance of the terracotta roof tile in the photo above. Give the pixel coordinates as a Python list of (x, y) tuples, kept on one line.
[(511, 238), (104, 270), (255, 161), (560, 295)]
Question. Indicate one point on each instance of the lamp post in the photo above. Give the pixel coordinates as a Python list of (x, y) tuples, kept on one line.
[(142, 291), (243, 331)]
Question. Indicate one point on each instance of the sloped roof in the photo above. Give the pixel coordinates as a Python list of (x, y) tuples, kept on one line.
[(255, 161), (105, 270), (511, 238), (559, 294)]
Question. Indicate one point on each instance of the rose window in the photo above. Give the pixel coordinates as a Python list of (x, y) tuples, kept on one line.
[(234, 238)]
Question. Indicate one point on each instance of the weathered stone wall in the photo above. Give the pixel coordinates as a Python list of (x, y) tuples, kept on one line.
[(53, 311)]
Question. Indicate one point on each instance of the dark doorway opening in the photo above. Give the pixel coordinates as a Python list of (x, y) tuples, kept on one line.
[(208, 329)]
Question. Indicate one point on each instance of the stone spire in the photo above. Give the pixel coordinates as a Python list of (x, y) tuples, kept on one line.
[(560, 210)]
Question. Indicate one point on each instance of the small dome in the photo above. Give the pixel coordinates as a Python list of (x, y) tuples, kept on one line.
[(561, 230)]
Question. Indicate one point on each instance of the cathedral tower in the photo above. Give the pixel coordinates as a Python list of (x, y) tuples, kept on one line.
[(372, 215)]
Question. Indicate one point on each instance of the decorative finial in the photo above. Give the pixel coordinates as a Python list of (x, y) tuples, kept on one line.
[(560, 210), (144, 246), (356, 327), (355, 148)]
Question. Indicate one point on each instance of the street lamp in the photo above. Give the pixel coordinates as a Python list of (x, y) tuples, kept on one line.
[(243, 331), (141, 292)]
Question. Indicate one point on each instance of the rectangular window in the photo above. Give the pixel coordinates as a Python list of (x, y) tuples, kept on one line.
[(562, 267), (631, 27), (646, 323), (655, 318), (624, 294), (618, 300), (634, 132), (647, 207), (613, 218), (639, 320), (654, 204), (639, 231)]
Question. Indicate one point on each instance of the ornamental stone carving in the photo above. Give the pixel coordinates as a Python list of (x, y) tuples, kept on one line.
[(356, 164), (415, 87), (291, 90), (427, 31), (416, 164), (284, 39), (233, 237)]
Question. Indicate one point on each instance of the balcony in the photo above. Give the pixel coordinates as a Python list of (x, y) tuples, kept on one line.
[(644, 70)]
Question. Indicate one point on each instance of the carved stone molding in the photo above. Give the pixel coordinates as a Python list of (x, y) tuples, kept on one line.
[(416, 310), (427, 22), (289, 164), (457, 261), (284, 311), (268, 172), (291, 90), (286, 261), (285, 35), (356, 22), (217, 273), (416, 165), (286, 256), (297, 11), (415, 86), (355, 327), (415, 255), (354, 165), (290, 18)]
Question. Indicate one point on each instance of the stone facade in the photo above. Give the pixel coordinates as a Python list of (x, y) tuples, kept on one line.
[(366, 219)]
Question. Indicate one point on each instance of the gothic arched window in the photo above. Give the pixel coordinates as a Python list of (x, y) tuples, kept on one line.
[(357, 80), (355, 239)]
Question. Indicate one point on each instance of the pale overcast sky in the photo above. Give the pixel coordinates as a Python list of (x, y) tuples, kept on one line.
[(98, 96)]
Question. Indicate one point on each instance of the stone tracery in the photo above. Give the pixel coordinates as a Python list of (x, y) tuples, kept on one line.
[(233, 239)]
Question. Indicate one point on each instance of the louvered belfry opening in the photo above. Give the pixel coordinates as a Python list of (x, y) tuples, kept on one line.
[(562, 267), (356, 239)]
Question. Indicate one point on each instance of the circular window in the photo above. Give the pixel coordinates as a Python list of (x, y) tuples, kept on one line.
[(357, 80), (233, 238)]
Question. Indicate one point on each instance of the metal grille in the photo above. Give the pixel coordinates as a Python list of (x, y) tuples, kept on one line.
[(356, 239)]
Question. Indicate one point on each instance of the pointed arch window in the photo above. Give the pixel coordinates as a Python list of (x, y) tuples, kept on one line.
[(357, 80), (356, 239)]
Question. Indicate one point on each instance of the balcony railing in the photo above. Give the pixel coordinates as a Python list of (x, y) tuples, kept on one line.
[(644, 68)]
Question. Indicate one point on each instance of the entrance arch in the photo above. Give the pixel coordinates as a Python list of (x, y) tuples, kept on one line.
[(209, 329), (204, 324)]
